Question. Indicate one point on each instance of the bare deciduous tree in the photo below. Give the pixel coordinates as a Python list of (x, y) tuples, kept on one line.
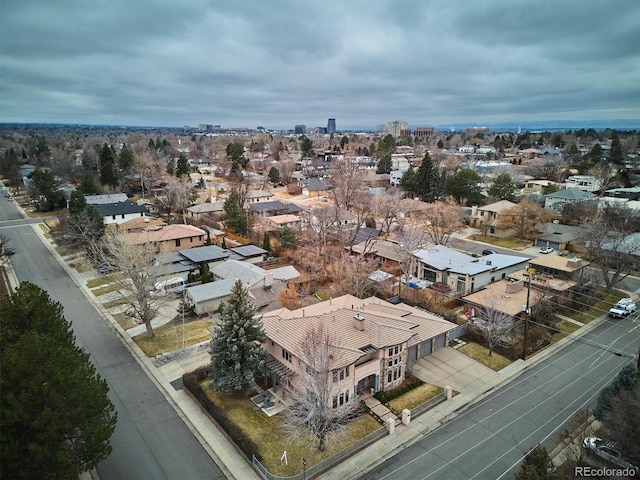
[(494, 325), (442, 219), (346, 178), (177, 195), (286, 167), (386, 208), (139, 266), (350, 274), (322, 401), (524, 219), (612, 242)]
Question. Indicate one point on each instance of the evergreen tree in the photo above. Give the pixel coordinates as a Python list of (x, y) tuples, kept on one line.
[(266, 242), (88, 184), (384, 165), (205, 274), (408, 181), (108, 172), (536, 465), (616, 155), (440, 144), (182, 166), (427, 184), (171, 167), (236, 219), (77, 203), (46, 185), (287, 238), (306, 146), (57, 418), (274, 176), (465, 185), (236, 344), (502, 188), (125, 160)]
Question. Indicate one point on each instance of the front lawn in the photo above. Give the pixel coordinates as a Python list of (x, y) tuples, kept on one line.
[(512, 243), (169, 337), (415, 397), (565, 328), (480, 353), (112, 287), (266, 433)]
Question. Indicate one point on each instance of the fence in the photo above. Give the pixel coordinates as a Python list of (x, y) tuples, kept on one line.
[(326, 463), (458, 332), (428, 405)]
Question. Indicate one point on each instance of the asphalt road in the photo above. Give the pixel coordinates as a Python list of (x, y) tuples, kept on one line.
[(489, 439), (150, 440)]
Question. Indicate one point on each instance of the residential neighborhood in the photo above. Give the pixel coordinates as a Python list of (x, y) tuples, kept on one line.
[(401, 273)]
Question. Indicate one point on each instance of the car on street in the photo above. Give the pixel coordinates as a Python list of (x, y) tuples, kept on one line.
[(488, 251), (546, 250), (9, 250), (624, 308)]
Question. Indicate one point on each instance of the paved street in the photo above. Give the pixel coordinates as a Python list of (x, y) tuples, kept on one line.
[(150, 441), (488, 439)]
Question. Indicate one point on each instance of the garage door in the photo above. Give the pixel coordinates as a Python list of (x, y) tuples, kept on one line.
[(441, 341), (412, 354), (425, 348), (542, 243)]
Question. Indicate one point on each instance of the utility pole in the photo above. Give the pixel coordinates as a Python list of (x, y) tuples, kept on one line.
[(527, 312)]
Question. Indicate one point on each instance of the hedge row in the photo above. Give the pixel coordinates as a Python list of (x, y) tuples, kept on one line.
[(191, 382), (386, 397)]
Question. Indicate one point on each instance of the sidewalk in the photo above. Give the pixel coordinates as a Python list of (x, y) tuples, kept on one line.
[(406, 435), (233, 463)]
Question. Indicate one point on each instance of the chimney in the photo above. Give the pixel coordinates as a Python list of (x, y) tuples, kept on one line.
[(358, 321), (268, 281)]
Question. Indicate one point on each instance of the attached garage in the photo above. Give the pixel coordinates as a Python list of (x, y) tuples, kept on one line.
[(412, 353), (425, 348), (440, 341)]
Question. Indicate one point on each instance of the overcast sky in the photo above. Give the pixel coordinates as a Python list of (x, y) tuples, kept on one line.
[(277, 63)]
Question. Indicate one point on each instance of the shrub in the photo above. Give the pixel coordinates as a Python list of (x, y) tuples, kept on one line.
[(191, 382), (385, 397)]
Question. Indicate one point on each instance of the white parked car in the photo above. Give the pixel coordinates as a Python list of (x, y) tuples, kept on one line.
[(546, 250)]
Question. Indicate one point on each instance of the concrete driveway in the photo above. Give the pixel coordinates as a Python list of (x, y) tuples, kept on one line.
[(448, 366)]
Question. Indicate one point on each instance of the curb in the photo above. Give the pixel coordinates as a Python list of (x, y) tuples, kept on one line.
[(145, 363)]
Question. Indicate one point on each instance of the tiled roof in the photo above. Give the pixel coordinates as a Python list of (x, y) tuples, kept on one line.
[(498, 207), (207, 207), (166, 233), (571, 193), (384, 325), (106, 198)]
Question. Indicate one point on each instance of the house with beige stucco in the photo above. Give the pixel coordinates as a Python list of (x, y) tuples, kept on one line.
[(376, 341)]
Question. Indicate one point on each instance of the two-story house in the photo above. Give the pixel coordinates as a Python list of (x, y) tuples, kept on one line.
[(557, 201), (463, 273), (487, 217), (170, 238), (375, 341)]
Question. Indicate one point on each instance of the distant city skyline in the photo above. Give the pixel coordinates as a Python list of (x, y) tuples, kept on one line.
[(283, 63)]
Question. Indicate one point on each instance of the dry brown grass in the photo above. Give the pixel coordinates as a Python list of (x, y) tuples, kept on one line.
[(169, 337), (266, 433), (124, 320), (415, 397), (479, 353)]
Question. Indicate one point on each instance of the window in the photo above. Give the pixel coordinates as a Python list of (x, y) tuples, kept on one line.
[(177, 242), (340, 374), (339, 400), (286, 355)]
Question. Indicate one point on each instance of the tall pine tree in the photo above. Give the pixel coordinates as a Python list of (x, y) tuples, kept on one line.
[(55, 411), (236, 344), (108, 172)]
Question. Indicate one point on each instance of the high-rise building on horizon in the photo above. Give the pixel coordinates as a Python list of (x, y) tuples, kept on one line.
[(331, 126), (395, 127), (300, 129)]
